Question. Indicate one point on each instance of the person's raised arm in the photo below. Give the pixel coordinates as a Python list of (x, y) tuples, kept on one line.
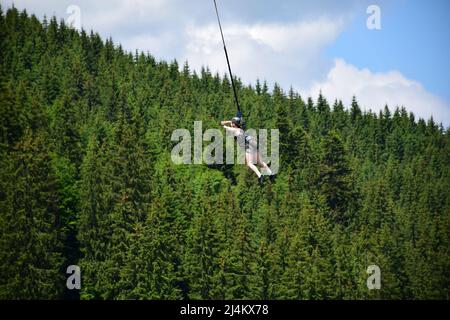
[(234, 131)]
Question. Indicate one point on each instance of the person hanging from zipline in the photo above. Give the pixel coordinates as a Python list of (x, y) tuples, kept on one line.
[(235, 127)]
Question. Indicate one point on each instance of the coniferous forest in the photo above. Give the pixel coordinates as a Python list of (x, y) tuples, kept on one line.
[(87, 179)]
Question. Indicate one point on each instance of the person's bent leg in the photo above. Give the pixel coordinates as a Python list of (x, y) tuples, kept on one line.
[(264, 165), (249, 160)]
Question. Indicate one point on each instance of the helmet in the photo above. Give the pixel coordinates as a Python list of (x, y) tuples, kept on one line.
[(237, 121)]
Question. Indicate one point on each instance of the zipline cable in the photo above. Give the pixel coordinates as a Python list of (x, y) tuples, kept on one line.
[(228, 63)]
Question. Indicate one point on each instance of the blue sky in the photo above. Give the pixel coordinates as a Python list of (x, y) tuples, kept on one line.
[(414, 39), (320, 45)]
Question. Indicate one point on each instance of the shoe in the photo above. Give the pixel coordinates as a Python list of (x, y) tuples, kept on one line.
[(272, 178), (261, 180)]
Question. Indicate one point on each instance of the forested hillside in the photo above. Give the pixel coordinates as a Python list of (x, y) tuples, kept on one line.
[(87, 179)]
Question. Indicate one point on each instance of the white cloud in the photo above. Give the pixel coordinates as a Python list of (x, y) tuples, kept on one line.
[(310, 35), (375, 90), (288, 53), (117, 14), (160, 46)]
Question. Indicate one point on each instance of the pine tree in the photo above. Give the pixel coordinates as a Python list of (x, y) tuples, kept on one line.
[(335, 177), (201, 261), (96, 199), (309, 273), (31, 243)]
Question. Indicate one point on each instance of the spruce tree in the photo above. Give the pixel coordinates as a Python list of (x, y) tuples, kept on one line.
[(31, 241)]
